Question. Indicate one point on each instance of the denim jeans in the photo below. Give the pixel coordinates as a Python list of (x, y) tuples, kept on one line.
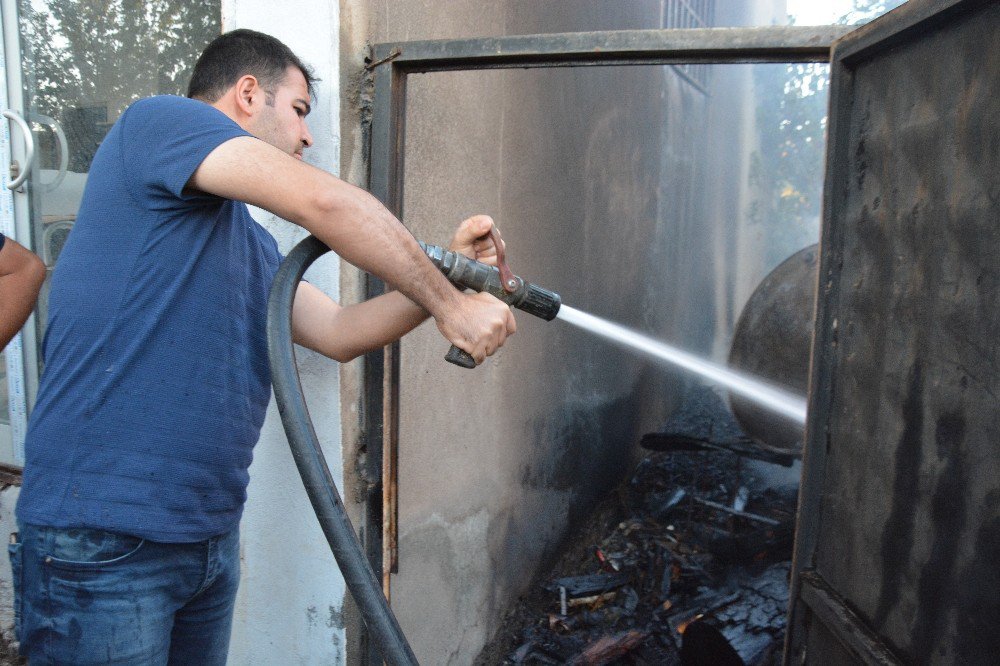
[(86, 596)]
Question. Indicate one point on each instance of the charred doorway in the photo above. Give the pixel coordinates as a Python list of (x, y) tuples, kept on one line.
[(504, 532)]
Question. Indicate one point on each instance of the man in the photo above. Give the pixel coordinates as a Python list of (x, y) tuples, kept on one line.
[(21, 276), (156, 377)]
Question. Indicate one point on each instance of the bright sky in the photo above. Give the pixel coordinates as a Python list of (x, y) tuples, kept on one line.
[(818, 12)]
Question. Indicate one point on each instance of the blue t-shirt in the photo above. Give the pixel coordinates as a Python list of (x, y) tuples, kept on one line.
[(156, 378), (2, 238)]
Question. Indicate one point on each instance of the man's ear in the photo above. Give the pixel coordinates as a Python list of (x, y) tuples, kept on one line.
[(249, 94)]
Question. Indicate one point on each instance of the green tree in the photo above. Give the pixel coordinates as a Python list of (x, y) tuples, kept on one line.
[(786, 171), (85, 61)]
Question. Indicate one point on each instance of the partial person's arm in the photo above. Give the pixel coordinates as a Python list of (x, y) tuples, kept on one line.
[(21, 276), (359, 229), (344, 333)]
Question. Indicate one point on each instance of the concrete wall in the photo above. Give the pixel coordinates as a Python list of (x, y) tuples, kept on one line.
[(611, 186), (740, 257)]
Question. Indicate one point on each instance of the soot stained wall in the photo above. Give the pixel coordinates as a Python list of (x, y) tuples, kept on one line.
[(599, 182)]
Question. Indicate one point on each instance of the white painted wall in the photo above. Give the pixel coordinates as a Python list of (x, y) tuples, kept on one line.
[(289, 609)]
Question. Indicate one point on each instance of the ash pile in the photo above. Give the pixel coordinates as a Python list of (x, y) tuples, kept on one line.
[(691, 568)]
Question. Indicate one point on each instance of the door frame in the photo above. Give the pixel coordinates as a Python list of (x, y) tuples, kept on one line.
[(389, 65)]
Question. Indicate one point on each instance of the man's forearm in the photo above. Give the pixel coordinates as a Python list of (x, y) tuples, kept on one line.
[(21, 276), (344, 333), (17, 299), (366, 234)]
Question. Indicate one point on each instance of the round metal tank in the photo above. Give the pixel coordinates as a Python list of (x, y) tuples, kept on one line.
[(772, 341)]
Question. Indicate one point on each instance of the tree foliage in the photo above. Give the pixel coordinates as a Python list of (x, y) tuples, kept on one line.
[(85, 61), (786, 171)]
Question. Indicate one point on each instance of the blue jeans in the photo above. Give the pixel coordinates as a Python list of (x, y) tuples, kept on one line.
[(85, 596)]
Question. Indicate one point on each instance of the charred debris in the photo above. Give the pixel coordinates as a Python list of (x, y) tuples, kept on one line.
[(685, 563)]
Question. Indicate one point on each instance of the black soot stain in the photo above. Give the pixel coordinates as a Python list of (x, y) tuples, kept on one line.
[(938, 588), (897, 536), (978, 617)]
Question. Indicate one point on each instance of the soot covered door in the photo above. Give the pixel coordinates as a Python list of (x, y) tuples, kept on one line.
[(898, 547)]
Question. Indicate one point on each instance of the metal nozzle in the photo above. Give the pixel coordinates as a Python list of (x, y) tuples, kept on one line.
[(471, 274)]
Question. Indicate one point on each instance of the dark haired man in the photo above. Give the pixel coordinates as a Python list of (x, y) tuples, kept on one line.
[(156, 377), (21, 276)]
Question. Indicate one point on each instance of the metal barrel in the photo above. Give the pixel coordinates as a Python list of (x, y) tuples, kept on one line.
[(772, 341)]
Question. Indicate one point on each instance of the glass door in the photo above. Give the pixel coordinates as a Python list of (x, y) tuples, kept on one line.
[(14, 149), (71, 68)]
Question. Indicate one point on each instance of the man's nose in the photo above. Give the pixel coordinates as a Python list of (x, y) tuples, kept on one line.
[(307, 139)]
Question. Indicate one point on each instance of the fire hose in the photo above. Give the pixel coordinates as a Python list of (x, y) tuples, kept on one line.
[(306, 450)]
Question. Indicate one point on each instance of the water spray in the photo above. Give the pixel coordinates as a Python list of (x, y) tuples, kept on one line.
[(771, 397), (499, 281)]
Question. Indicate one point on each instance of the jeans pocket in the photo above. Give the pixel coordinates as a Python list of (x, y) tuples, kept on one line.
[(82, 550), (16, 570)]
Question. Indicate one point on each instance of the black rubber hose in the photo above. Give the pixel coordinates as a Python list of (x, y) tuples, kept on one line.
[(361, 581)]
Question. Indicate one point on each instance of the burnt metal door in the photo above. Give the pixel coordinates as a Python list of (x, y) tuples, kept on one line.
[(898, 547)]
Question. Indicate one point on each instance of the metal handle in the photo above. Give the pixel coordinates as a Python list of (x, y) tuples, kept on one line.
[(460, 358), (63, 150), (29, 149)]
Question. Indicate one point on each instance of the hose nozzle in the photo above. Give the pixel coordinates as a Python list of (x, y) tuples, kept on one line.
[(471, 274)]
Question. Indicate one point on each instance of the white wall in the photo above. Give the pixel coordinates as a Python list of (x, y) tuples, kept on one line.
[(289, 609)]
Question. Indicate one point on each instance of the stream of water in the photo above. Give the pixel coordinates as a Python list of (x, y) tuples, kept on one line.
[(770, 397)]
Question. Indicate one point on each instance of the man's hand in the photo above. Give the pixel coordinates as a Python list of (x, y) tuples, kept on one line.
[(21, 276), (480, 325), (472, 238)]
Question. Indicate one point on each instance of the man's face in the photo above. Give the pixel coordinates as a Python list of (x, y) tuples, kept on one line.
[(281, 120)]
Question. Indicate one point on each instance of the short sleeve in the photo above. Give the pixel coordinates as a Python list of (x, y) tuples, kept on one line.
[(2, 239), (164, 139)]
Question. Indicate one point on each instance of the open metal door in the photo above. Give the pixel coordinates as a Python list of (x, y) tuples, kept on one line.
[(898, 546)]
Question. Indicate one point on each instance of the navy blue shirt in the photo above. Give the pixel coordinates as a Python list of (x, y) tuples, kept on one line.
[(156, 379)]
